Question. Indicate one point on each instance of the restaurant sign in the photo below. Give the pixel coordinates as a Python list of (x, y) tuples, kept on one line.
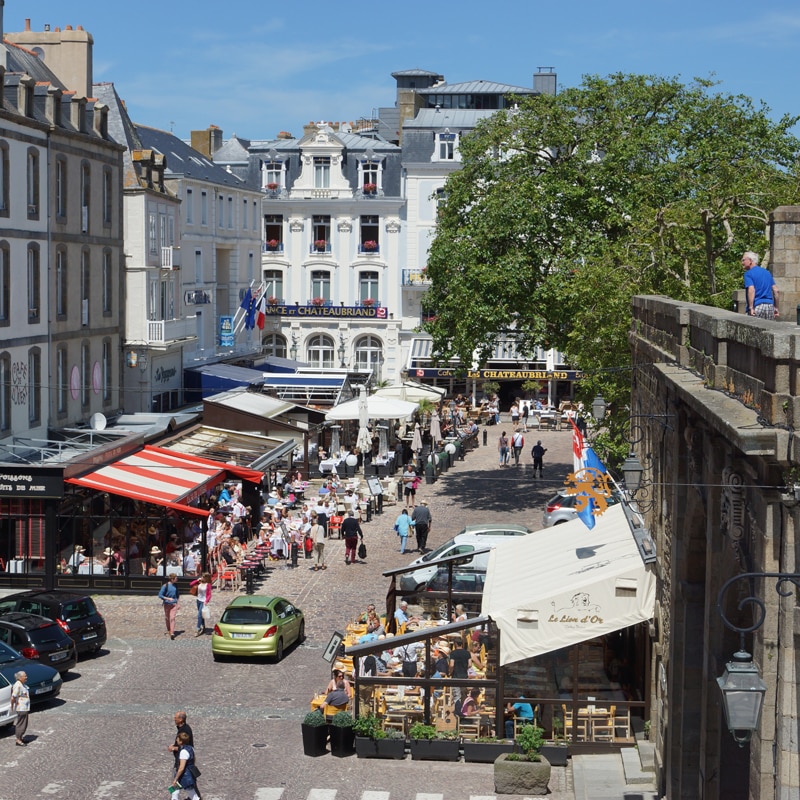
[(33, 482), (500, 374), (352, 312)]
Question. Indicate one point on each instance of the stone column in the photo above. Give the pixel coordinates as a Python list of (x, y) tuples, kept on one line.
[(784, 260)]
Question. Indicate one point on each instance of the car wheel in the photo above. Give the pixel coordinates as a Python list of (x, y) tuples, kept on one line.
[(279, 650), (559, 522), (444, 611), (301, 636), (217, 657)]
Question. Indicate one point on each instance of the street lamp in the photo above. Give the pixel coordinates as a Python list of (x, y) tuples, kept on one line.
[(599, 408)]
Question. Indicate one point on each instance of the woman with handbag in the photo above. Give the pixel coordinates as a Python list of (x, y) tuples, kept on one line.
[(188, 773), (201, 589)]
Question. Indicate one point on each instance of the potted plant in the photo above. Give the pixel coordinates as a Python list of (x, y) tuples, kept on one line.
[(318, 301), (486, 749), (370, 188), (372, 741), (527, 772), (428, 744), (273, 245), (315, 734), (272, 187), (556, 752), (368, 302), (320, 245), (370, 245), (342, 734), (272, 300)]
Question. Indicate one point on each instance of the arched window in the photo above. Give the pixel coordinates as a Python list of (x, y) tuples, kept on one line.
[(369, 355), (274, 344), (320, 351)]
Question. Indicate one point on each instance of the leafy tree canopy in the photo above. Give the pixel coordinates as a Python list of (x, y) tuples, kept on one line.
[(569, 205)]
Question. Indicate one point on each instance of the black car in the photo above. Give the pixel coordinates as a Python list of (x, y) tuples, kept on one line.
[(44, 683), (467, 590), (39, 639), (75, 613)]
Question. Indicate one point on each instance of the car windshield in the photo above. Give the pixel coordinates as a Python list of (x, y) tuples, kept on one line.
[(79, 609), (48, 635), (246, 616)]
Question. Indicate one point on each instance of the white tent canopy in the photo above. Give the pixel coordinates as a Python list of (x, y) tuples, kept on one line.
[(413, 391), (378, 408), (567, 584)]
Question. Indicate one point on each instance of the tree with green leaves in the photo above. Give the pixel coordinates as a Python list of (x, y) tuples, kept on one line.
[(568, 205)]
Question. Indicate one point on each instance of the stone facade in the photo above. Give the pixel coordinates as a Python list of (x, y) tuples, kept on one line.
[(719, 396)]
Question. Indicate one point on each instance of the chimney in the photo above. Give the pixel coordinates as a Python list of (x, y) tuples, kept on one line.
[(27, 23), (544, 81), (52, 105), (25, 95), (77, 113), (100, 120), (208, 141)]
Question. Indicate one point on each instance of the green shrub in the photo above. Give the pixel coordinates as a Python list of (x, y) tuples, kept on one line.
[(367, 725), (446, 735), (343, 719), (393, 733), (530, 740), (315, 719), (421, 731)]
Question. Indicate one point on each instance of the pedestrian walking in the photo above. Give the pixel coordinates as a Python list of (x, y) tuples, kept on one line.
[(318, 535), (538, 455), (351, 530), (526, 410), (169, 597), (402, 525), (187, 772), (21, 704), (517, 443), (182, 726), (502, 447), (203, 597), (409, 485), (421, 517)]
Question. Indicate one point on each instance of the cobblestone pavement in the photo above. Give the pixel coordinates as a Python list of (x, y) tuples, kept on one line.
[(105, 736)]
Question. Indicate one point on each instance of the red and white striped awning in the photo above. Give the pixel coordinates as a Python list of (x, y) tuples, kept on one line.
[(164, 477)]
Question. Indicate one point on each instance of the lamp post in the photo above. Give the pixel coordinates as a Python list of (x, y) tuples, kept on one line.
[(741, 685)]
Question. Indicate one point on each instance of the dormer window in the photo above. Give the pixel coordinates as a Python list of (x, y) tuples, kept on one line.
[(272, 173), (322, 172), (446, 146), (369, 172)]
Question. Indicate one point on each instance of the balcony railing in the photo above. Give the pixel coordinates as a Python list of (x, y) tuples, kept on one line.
[(170, 330), (170, 258), (415, 277), (372, 249), (275, 249), (320, 249)]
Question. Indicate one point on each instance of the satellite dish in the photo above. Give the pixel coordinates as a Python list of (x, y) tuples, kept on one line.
[(98, 421)]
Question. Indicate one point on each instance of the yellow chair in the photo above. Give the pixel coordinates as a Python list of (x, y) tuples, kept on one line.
[(603, 724), (469, 727), (331, 711)]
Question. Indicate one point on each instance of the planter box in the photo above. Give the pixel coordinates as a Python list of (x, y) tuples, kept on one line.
[(315, 740), (556, 754), (485, 752), (342, 741), (521, 777), (380, 748), (435, 749)]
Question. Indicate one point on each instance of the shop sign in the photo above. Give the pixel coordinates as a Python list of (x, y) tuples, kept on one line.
[(226, 331), (351, 312), (500, 374), (33, 482)]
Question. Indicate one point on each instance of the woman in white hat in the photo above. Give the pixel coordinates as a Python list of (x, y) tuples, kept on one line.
[(155, 560), (77, 557)]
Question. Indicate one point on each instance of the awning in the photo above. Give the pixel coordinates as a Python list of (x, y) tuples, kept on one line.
[(379, 408), (163, 477), (567, 584)]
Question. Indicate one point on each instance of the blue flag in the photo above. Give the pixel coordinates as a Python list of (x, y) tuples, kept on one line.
[(248, 296), (250, 315), (590, 461)]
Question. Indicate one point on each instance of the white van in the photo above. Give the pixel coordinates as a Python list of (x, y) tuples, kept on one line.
[(473, 537)]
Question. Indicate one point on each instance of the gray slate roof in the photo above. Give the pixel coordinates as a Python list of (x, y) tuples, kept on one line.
[(414, 73), (454, 118), (477, 87), (18, 59)]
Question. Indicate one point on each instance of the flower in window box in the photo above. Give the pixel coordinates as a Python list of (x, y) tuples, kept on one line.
[(368, 302), (272, 187), (272, 300), (273, 244), (370, 188), (318, 301), (320, 245), (369, 245)]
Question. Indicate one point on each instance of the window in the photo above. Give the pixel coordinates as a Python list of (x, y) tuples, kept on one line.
[(86, 268), (86, 374), (5, 393), (244, 215), (152, 233), (108, 196), (5, 283), (369, 242), (321, 285), (204, 208), (33, 183), (166, 302), (230, 212), (189, 202), (321, 233), (220, 211), (369, 355), (272, 174), (61, 282), (34, 386), (162, 228), (255, 215), (319, 352), (368, 286), (370, 176), (61, 188), (34, 283), (273, 279), (5, 197), (273, 233), (86, 195), (446, 146), (108, 283), (106, 371), (322, 172), (274, 345), (62, 384), (198, 266)]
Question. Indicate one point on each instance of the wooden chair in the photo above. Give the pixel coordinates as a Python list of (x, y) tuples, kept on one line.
[(603, 724), (331, 711), (469, 727), (622, 725), (394, 721)]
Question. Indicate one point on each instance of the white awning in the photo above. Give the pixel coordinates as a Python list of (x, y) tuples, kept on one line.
[(567, 584), (379, 408)]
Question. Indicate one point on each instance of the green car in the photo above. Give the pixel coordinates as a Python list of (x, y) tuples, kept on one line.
[(254, 625)]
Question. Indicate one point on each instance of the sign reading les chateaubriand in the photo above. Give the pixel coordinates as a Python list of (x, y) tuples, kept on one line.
[(357, 312), (501, 374), (35, 482)]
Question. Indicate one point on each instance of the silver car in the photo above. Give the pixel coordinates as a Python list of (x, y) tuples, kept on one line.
[(561, 508)]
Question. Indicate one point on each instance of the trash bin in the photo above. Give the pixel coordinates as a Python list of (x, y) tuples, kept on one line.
[(293, 552), (430, 469), (485, 436)]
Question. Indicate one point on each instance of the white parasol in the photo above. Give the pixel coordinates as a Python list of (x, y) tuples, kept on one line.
[(410, 390), (436, 431), (377, 408), (416, 441)]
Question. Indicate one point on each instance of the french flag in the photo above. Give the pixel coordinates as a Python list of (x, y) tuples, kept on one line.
[(261, 311)]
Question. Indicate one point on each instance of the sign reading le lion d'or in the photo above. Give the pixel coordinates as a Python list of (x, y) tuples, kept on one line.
[(34, 482)]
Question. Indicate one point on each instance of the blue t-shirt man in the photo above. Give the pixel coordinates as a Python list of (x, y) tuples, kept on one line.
[(760, 288), (522, 711)]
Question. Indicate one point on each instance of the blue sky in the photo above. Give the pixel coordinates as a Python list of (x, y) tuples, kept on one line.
[(265, 67)]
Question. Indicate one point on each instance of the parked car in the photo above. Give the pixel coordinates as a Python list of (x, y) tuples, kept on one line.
[(561, 508), (75, 613), (7, 716), (467, 591), (39, 639), (254, 625), (473, 537), (44, 683)]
